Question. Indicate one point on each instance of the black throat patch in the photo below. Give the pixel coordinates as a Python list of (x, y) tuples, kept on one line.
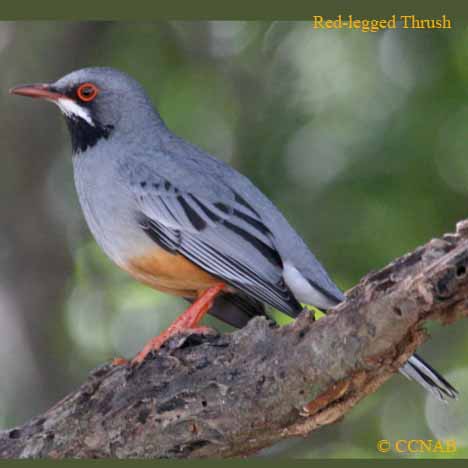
[(85, 136)]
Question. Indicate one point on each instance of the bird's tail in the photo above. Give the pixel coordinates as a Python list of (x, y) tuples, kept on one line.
[(419, 371)]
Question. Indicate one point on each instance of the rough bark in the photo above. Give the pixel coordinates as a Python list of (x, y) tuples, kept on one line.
[(230, 395)]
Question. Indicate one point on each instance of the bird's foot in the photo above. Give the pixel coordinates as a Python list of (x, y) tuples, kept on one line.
[(188, 321), (158, 341)]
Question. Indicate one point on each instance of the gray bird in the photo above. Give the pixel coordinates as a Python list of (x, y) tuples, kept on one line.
[(182, 221)]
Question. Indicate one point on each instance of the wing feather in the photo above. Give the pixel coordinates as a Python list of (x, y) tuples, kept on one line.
[(224, 236)]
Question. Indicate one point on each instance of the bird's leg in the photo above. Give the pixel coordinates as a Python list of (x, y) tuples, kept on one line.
[(188, 320)]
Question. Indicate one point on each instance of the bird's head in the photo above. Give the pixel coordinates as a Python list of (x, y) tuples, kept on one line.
[(96, 103)]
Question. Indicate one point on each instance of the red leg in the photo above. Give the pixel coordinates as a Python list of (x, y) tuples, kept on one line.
[(188, 320)]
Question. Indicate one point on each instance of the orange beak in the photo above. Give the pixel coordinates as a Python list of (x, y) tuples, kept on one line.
[(38, 90)]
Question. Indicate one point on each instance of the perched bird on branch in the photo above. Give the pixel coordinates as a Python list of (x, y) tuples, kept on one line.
[(182, 221)]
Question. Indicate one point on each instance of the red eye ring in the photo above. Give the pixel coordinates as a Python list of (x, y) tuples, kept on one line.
[(87, 92)]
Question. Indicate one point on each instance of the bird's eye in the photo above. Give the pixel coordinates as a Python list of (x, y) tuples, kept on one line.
[(87, 92)]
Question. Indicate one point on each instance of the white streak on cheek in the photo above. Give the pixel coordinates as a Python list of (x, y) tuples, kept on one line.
[(72, 109)]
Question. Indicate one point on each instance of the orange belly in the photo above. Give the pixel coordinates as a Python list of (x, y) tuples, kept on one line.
[(170, 273)]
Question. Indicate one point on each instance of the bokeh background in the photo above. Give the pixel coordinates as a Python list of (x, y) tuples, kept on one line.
[(360, 138)]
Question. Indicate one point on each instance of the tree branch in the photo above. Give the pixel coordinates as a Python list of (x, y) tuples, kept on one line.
[(233, 394)]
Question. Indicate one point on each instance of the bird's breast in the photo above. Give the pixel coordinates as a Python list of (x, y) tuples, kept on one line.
[(109, 209), (110, 212)]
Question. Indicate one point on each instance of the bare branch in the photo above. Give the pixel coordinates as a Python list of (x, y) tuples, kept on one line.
[(229, 395)]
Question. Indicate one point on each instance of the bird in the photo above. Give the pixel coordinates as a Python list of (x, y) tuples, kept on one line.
[(182, 221)]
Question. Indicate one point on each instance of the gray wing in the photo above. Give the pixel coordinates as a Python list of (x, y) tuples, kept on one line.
[(216, 229)]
